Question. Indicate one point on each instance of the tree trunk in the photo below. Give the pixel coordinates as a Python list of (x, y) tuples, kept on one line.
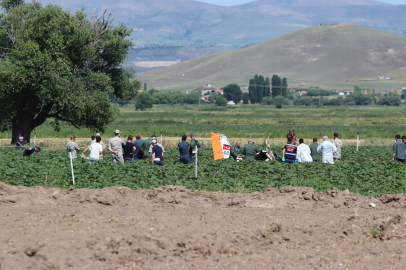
[(23, 125)]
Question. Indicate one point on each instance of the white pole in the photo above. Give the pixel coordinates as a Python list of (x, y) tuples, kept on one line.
[(71, 166), (357, 141), (35, 139), (196, 161)]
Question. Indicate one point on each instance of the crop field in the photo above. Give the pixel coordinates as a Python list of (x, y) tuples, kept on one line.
[(247, 121), (368, 172)]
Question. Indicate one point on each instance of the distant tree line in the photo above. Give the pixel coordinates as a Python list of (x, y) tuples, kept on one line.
[(260, 87)]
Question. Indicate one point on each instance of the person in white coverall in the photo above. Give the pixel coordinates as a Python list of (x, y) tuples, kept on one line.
[(327, 149), (303, 152)]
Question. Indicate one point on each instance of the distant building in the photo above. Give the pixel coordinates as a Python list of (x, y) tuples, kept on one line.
[(231, 103), (206, 90), (301, 93)]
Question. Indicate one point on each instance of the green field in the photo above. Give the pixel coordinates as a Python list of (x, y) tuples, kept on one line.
[(244, 121), (368, 172)]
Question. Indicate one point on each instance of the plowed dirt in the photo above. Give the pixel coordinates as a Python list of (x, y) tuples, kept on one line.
[(176, 228)]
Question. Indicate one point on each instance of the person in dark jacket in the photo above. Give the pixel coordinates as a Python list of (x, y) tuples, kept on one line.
[(184, 151)]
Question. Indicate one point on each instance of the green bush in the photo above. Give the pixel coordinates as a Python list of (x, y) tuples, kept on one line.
[(221, 101), (390, 101), (267, 101), (278, 105)]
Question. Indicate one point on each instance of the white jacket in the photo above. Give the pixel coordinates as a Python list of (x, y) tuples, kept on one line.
[(303, 153), (327, 148)]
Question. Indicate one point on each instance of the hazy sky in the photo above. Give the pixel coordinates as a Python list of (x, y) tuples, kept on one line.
[(237, 2)]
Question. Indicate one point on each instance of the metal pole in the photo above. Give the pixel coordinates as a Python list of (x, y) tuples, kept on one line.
[(35, 139), (71, 165), (357, 141), (196, 161), (161, 137)]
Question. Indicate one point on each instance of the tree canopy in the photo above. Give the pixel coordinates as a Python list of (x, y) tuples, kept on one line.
[(57, 65)]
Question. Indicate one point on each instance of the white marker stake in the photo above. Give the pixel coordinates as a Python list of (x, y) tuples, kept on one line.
[(35, 139), (71, 165), (196, 161), (357, 141)]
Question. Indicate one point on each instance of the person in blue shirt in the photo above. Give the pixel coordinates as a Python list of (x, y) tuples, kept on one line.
[(184, 151), (398, 150), (20, 141), (289, 152), (139, 154)]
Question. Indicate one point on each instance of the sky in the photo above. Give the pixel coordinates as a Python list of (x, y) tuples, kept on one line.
[(238, 2)]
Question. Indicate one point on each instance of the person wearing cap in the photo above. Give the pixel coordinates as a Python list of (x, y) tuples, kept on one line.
[(116, 147), (157, 153), (184, 151), (193, 144), (150, 147), (72, 147), (289, 152), (303, 152), (313, 150), (145, 146), (96, 150), (404, 140), (249, 151), (327, 149), (129, 149), (20, 140), (398, 150), (340, 146), (29, 150), (139, 154)]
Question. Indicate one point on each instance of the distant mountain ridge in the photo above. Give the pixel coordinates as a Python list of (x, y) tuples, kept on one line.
[(188, 21), (321, 54)]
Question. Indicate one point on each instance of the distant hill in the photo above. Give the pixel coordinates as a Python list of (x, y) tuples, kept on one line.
[(188, 21), (317, 54)]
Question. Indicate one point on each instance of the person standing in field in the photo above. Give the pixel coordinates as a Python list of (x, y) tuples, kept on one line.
[(20, 141), (193, 144), (160, 145), (327, 148), (313, 150), (116, 147), (145, 147), (96, 150), (249, 151), (404, 140), (157, 156), (129, 149), (236, 150), (102, 156), (289, 137), (184, 151), (289, 152), (398, 150), (303, 152), (72, 147), (139, 154), (340, 146)]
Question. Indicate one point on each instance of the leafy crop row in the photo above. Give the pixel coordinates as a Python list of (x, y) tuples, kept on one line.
[(368, 172)]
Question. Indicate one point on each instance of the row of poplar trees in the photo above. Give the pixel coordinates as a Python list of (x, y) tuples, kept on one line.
[(260, 87)]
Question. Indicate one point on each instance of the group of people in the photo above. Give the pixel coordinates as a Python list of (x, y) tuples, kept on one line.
[(327, 151), (28, 151), (131, 151)]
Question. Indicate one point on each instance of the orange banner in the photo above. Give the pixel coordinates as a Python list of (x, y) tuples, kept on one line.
[(216, 144)]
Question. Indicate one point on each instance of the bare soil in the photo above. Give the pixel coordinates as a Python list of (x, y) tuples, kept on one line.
[(176, 228)]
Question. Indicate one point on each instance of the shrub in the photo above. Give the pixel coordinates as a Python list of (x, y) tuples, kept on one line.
[(278, 105), (390, 101), (267, 101), (221, 101)]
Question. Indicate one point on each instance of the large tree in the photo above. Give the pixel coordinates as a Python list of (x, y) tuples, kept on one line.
[(285, 87), (233, 92), (61, 66), (276, 86)]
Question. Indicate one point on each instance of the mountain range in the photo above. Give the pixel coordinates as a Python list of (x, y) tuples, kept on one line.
[(193, 22), (317, 55)]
